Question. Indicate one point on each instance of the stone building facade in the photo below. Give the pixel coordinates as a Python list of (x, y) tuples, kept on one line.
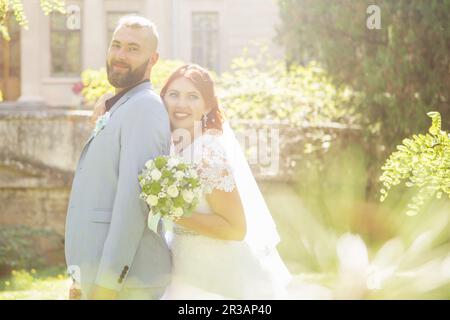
[(41, 64)]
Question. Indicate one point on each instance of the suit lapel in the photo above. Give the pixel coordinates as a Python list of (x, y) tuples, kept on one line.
[(121, 101), (116, 105)]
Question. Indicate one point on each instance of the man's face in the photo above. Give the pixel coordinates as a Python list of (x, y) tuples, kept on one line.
[(130, 57)]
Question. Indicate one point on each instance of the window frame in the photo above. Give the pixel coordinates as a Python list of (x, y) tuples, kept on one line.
[(217, 63), (65, 73)]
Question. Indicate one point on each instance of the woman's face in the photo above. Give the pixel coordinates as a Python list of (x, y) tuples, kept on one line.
[(185, 104)]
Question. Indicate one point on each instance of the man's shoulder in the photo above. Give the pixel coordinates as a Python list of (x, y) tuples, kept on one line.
[(146, 95), (146, 100), (146, 104)]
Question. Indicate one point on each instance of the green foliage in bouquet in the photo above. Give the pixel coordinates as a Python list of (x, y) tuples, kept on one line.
[(16, 7), (424, 162), (95, 82)]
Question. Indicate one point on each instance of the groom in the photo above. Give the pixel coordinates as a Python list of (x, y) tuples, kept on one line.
[(110, 252)]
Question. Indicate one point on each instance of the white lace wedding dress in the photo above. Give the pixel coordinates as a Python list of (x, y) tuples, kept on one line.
[(207, 268)]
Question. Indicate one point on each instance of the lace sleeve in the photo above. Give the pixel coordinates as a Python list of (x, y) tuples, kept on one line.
[(214, 170)]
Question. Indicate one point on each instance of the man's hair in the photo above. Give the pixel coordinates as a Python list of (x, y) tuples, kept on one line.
[(138, 22)]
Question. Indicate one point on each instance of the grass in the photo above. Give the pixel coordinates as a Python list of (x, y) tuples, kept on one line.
[(45, 284), (52, 284)]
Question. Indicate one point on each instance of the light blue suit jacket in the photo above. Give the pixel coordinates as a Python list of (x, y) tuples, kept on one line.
[(107, 241)]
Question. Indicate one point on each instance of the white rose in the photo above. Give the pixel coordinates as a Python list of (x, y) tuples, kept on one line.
[(149, 164), (155, 174), (188, 196), (172, 191), (152, 200), (178, 212), (193, 173), (172, 162), (179, 175)]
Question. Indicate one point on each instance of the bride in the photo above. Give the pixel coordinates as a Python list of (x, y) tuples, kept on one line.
[(227, 248)]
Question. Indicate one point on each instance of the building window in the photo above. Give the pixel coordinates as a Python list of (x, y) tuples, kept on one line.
[(205, 39), (112, 19), (65, 42)]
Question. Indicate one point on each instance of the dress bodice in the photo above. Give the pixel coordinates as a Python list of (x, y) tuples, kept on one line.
[(207, 155)]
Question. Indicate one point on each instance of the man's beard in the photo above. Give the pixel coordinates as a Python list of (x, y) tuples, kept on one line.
[(125, 80)]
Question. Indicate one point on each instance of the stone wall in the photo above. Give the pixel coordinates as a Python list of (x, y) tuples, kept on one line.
[(39, 149)]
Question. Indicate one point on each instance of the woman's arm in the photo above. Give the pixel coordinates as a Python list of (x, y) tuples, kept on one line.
[(227, 221)]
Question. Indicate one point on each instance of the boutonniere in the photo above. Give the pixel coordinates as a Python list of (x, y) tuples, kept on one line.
[(101, 122)]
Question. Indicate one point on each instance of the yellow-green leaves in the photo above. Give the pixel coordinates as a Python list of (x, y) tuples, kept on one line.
[(49, 6), (435, 122), (95, 84), (422, 161), (15, 8)]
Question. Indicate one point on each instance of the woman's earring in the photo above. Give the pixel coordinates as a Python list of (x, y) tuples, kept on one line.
[(204, 121)]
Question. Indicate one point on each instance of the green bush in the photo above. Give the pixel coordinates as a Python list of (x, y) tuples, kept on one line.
[(262, 88), (401, 70), (95, 84), (19, 247)]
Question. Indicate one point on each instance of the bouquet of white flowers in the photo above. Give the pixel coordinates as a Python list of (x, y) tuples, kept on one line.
[(171, 188)]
